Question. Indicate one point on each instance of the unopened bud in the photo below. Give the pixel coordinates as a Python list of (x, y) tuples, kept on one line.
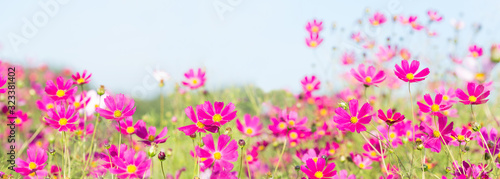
[(193, 135), (343, 105), (228, 131), (342, 158), (420, 147), (297, 168), (487, 156), (466, 148), (241, 143), (107, 146), (101, 90), (161, 156), (52, 151), (476, 127), (448, 169), (426, 167)]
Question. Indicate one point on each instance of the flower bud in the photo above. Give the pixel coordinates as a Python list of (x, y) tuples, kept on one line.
[(152, 150), (487, 156), (342, 158), (174, 119), (448, 170), (161, 83), (161, 156), (52, 151), (426, 167), (101, 90), (405, 140), (169, 152), (476, 127), (193, 136), (241, 143), (297, 168), (343, 105), (466, 148), (107, 146), (420, 147), (228, 131)]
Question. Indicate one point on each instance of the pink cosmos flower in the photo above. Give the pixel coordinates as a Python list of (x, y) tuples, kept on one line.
[(226, 152), (448, 96), (117, 110), (194, 80), (199, 125), (461, 135), (45, 104), (127, 127), (60, 90), (475, 94), (310, 84), (342, 174), (331, 149), (492, 140), (377, 19), (21, 118), (130, 166), (217, 114), (79, 101), (409, 73), (362, 163), (111, 155), (356, 119), (437, 134), (55, 171), (434, 16), (313, 40), (348, 58), (81, 130), (314, 27), (475, 51), (3, 80), (292, 120), (322, 131), (369, 77), (356, 36), (405, 54), (319, 169), (391, 135), (81, 79), (62, 119), (391, 118), (252, 126), (414, 24), (311, 153), (252, 154), (34, 165), (434, 107), (149, 136), (386, 54)]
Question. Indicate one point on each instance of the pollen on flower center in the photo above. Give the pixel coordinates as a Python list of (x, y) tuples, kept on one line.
[(293, 135), (249, 158), (63, 121), (291, 123), (460, 138), (373, 153), (354, 120), (60, 93), (472, 99), (49, 106), (446, 97), (18, 121), (130, 130), (117, 113), (375, 23), (318, 174), (436, 134), (435, 108), (315, 29), (151, 138), (368, 79), (194, 81), (315, 159), (309, 87), (313, 44), (475, 54), (80, 81), (321, 132), (282, 125), (361, 165), (200, 125), (32, 165), (217, 155), (217, 118), (392, 135), (331, 151), (131, 169), (76, 104), (323, 112), (410, 76), (249, 131)]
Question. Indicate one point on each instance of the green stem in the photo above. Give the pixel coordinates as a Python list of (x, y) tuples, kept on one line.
[(241, 162), (162, 171), (281, 155)]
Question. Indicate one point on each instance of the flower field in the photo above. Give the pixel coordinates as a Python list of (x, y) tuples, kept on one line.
[(399, 114)]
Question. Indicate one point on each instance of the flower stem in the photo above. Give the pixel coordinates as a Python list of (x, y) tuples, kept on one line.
[(30, 140), (413, 130), (281, 155), (162, 171), (92, 141), (241, 162), (119, 138)]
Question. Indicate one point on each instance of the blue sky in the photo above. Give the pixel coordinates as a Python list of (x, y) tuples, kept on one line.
[(254, 41)]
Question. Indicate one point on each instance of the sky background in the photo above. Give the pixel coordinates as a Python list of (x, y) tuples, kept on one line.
[(257, 42)]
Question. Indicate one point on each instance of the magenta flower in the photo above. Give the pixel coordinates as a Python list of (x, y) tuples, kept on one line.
[(79, 101), (149, 136), (310, 84), (313, 40), (131, 166), (81, 79), (362, 163), (194, 80), (434, 16), (435, 107), (462, 135), (199, 125), (34, 165), (217, 114), (111, 154), (492, 141), (356, 36), (385, 54), (21, 118), (414, 24), (252, 126), (221, 158), (448, 96), (292, 120), (342, 174), (127, 127), (60, 90), (369, 77), (117, 110), (475, 51), (391, 117), (475, 96), (405, 54), (409, 73), (314, 26), (319, 169), (45, 104), (3, 80), (62, 119), (437, 134), (356, 119), (348, 58), (377, 19)]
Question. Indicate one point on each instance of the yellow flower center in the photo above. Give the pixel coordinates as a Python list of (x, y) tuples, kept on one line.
[(293, 135), (315, 29), (76, 104), (80, 81), (480, 77), (361, 165), (200, 125), (93, 164), (410, 76), (249, 158), (79, 132), (435, 108), (313, 44), (318, 174), (194, 81), (323, 112), (293, 144), (373, 153), (446, 112), (18, 120), (472, 99), (321, 132), (354, 120), (392, 135), (368, 79), (151, 138), (475, 54), (315, 159), (63, 121), (217, 118), (49, 106), (32, 165), (217, 155), (60, 93), (390, 119), (446, 97), (117, 113), (249, 131), (309, 87), (436, 134), (131, 169), (460, 138), (331, 151), (32, 174), (291, 123), (375, 23), (282, 125), (130, 130)]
